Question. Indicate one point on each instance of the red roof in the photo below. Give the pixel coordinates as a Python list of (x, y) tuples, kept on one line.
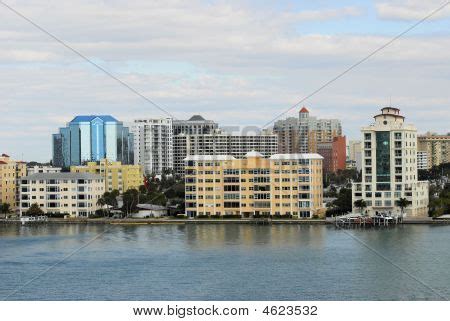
[(2, 162), (304, 110)]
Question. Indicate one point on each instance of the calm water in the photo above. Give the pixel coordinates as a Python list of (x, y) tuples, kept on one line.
[(223, 262)]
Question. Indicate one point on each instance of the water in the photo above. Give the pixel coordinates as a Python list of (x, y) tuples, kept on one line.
[(223, 262)]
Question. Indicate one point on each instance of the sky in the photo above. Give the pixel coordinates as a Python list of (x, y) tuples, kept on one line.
[(236, 62)]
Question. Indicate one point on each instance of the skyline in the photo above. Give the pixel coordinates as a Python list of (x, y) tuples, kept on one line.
[(218, 60)]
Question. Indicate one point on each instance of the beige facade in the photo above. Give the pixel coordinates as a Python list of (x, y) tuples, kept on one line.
[(75, 194), (437, 148), (389, 167), (115, 174), (10, 173), (284, 184)]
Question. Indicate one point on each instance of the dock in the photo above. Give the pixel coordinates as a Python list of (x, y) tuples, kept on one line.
[(352, 220)]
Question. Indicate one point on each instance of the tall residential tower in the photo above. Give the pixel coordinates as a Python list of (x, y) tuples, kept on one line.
[(389, 167)]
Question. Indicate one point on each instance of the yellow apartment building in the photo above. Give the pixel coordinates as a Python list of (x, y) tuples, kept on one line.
[(10, 173), (436, 147), (115, 174), (74, 194), (284, 184)]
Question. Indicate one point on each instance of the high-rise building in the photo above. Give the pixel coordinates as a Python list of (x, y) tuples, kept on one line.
[(196, 125), (283, 184), (303, 135), (288, 133), (389, 168), (219, 143), (115, 175), (153, 143), (334, 154), (422, 160), (92, 138), (354, 153), (437, 148), (10, 173), (74, 194)]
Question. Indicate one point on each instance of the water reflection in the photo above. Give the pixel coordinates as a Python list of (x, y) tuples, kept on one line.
[(223, 262)]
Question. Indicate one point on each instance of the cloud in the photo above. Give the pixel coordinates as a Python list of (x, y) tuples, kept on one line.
[(411, 9), (232, 61)]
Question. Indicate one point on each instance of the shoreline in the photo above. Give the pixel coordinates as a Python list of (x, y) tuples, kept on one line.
[(156, 221)]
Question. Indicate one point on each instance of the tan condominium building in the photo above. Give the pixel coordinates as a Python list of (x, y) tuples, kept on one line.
[(10, 173), (284, 184), (75, 194), (436, 147), (116, 175)]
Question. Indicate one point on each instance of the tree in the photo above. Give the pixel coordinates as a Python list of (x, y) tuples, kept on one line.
[(361, 204), (130, 201), (4, 208), (342, 204), (402, 203), (34, 210), (101, 202), (111, 198)]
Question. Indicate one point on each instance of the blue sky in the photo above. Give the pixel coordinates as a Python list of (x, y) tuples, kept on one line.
[(237, 62)]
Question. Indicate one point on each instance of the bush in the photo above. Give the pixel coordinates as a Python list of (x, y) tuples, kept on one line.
[(181, 216), (56, 215), (261, 216), (202, 216), (279, 216), (230, 216)]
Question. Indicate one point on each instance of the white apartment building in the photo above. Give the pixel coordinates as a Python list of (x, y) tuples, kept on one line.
[(220, 143), (389, 167), (75, 194), (422, 160), (153, 144), (42, 169)]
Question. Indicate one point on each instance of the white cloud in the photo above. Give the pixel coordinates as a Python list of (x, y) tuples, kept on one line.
[(242, 65), (411, 9)]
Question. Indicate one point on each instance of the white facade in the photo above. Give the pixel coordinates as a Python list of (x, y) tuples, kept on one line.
[(222, 144), (422, 160), (389, 167), (153, 144), (42, 169), (74, 194)]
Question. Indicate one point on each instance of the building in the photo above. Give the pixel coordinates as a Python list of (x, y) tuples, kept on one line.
[(219, 143), (288, 133), (153, 144), (74, 194), (92, 138), (334, 154), (283, 184), (116, 176), (196, 125), (354, 154), (42, 169), (389, 169), (10, 173), (437, 148), (303, 134), (150, 210), (422, 160)]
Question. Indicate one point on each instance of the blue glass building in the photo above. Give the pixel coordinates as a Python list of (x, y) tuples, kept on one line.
[(92, 138)]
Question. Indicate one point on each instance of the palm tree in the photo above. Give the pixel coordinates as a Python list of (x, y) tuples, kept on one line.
[(402, 203), (101, 202), (361, 204)]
